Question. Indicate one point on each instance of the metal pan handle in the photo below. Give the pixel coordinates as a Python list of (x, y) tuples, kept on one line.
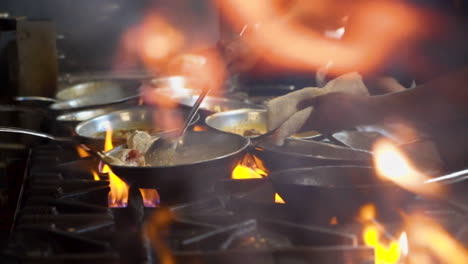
[(17, 130), (35, 98)]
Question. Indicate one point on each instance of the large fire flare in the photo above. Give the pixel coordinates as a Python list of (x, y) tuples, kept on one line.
[(392, 164)]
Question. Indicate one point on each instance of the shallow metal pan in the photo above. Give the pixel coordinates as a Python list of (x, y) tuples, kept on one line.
[(217, 154), (179, 90), (236, 121), (89, 94), (297, 153), (338, 191), (92, 132)]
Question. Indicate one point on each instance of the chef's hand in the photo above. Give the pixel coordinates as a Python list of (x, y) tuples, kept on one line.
[(295, 111), (336, 111)]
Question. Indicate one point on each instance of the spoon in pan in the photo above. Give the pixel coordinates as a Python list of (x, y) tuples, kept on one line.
[(165, 148)]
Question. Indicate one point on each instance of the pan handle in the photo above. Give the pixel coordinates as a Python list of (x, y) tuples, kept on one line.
[(35, 98), (18, 130)]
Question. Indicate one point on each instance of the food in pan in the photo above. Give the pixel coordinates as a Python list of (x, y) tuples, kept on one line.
[(251, 132), (247, 129), (131, 157), (139, 142), (129, 130)]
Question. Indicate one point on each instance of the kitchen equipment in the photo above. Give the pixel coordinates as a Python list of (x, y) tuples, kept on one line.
[(338, 191), (92, 132), (180, 90), (168, 145), (296, 153), (89, 94), (240, 120), (137, 117), (211, 155), (73, 118)]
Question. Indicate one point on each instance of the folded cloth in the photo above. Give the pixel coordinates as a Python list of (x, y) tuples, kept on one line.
[(284, 113)]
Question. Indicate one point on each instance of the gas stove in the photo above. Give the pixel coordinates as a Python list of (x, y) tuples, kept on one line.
[(64, 216)]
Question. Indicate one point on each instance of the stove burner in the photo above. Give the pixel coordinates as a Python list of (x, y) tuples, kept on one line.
[(63, 217)]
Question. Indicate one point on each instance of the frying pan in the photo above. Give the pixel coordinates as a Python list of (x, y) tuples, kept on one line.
[(91, 132), (320, 193), (236, 121), (89, 94), (137, 117), (215, 154), (299, 153), (74, 118), (177, 89)]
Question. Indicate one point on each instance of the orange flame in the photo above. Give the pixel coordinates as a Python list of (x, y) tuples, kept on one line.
[(96, 176), (154, 229), (385, 253), (150, 197), (81, 152), (431, 244), (278, 199), (250, 167), (334, 220), (391, 163), (285, 37), (118, 195)]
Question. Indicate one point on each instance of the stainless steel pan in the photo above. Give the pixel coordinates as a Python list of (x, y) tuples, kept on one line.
[(92, 132), (180, 90), (138, 117), (213, 156), (89, 94), (73, 118), (237, 121)]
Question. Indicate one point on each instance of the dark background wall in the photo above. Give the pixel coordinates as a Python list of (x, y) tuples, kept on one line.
[(90, 30)]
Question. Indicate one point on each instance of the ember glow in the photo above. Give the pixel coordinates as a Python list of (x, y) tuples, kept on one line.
[(391, 163), (431, 244), (285, 36), (199, 128), (387, 251)]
